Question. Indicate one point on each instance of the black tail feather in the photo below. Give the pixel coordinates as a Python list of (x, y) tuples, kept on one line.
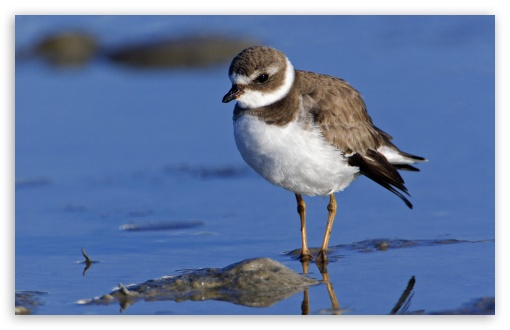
[(377, 168), (406, 167)]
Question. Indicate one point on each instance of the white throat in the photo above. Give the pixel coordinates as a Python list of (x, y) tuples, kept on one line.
[(255, 99)]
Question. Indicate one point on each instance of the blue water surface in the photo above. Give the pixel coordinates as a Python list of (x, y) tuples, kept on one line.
[(101, 145)]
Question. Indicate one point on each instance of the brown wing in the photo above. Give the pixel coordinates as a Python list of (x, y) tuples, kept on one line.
[(338, 109), (340, 112)]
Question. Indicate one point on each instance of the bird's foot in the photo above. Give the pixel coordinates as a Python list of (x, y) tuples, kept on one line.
[(322, 261), (305, 257)]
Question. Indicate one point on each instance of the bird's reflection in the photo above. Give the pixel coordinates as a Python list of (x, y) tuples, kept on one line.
[(305, 305), (401, 307), (88, 262)]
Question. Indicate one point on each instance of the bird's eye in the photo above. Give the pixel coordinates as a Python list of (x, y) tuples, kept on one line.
[(262, 78)]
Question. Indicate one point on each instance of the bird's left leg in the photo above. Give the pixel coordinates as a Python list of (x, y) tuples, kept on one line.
[(322, 258)]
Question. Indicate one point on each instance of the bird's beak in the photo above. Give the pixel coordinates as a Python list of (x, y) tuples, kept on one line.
[(232, 94)]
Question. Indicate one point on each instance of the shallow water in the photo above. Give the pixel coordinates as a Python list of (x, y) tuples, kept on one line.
[(104, 146)]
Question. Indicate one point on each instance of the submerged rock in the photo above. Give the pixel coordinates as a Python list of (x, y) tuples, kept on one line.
[(480, 306), (65, 49), (254, 282), (70, 49), (32, 182), (27, 301), (192, 51), (374, 245), (207, 172), (161, 225)]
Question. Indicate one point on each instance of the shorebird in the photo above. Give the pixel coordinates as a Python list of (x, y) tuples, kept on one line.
[(309, 133)]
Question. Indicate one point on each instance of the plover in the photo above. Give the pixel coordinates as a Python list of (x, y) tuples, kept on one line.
[(308, 133)]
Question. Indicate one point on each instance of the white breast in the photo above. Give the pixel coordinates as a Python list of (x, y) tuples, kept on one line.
[(293, 158)]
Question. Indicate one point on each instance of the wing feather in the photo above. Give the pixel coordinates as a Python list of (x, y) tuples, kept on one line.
[(340, 112)]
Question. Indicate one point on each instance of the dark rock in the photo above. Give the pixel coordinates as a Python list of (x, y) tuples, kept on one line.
[(193, 51), (27, 301), (67, 49)]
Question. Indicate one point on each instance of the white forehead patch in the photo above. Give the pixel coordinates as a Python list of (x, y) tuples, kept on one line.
[(254, 99)]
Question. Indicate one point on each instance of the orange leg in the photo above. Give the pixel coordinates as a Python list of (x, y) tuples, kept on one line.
[(301, 208), (322, 258), (335, 306), (305, 304)]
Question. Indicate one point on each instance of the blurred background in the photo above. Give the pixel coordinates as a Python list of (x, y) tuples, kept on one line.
[(119, 124)]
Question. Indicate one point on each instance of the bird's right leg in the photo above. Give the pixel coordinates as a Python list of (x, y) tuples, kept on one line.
[(301, 208)]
